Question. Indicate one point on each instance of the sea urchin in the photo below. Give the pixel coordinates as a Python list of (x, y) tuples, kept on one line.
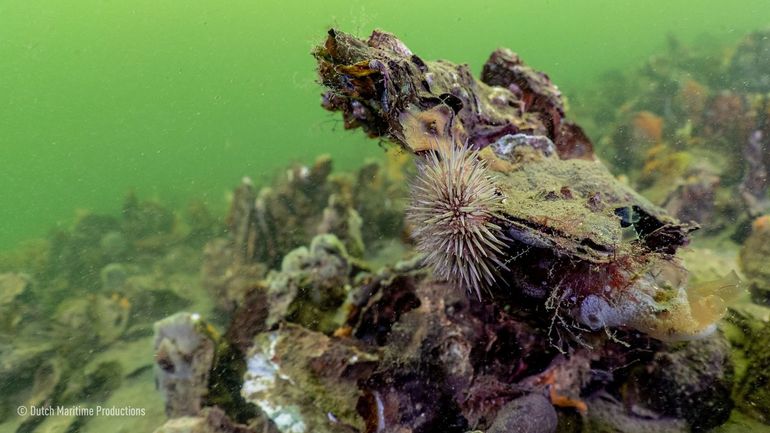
[(454, 210)]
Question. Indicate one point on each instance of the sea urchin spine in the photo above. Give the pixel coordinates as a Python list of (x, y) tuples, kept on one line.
[(455, 211)]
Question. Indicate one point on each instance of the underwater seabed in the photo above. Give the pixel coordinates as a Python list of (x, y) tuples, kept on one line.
[(488, 274)]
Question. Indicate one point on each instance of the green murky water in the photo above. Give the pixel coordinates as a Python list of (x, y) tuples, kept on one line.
[(180, 99)]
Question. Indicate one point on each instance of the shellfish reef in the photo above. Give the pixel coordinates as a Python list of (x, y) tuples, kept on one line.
[(497, 271)]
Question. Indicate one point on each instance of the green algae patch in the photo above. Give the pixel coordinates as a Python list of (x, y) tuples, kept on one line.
[(578, 202)]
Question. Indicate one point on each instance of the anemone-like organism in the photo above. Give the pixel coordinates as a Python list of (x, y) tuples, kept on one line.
[(455, 211)]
